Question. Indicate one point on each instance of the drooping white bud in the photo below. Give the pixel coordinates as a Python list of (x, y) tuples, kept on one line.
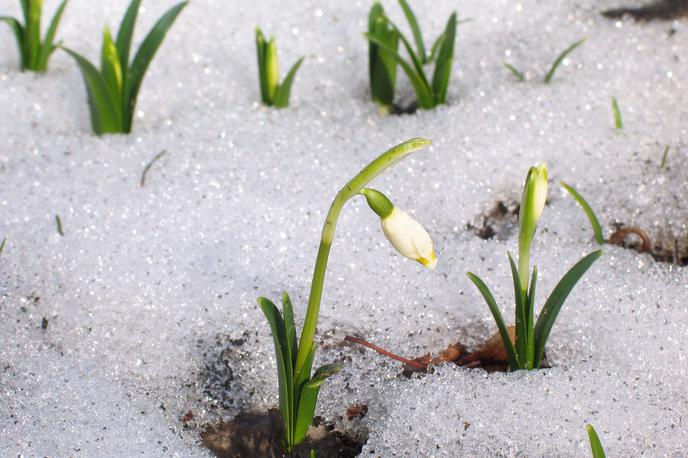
[(409, 238)]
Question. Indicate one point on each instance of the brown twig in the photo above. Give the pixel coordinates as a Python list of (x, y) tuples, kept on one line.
[(621, 233), (385, 352)]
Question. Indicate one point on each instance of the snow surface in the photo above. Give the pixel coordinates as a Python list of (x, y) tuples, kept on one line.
[(150, 294)]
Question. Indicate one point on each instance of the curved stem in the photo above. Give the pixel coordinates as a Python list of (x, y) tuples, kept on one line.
[(352, 188)]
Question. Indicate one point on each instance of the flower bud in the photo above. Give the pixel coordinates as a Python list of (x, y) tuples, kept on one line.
[(405, 234), (533, 199)]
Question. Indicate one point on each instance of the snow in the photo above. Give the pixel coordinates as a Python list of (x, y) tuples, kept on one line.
[(150, 294)]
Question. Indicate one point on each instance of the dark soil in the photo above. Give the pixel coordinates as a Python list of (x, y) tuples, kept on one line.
[(259, 435), (666, 247), (661, 10), (498, 222)]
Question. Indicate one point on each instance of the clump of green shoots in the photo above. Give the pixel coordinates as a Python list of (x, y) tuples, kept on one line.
[(595, 444), (272, 92), (529, 346), (113, 90), (383, 36), (34, 53), (618, 122), (520, 76), (298, 388)]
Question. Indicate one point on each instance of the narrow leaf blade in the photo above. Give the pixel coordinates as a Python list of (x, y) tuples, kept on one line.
[(143, 58), (560, 59), (309, 398), (126, 32), (587, 209), (595, 444), (18, 35), (445, 59), (520, 311), (284, 90), (415, 29), (555, 301), (497, 315), (288, 311), (514, 71), (47, 46)]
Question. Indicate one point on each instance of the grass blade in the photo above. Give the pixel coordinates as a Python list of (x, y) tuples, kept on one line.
[(436, 47), (663, 164), (261, 51), (143, 58), (425, 99), (415, 59), (126, 33), (492, 304), (47, 47), (529, 310), (560, 58), (112, 72), (521, 321), (2, 246), (149, 165), (32, 34), (415, 29), (445, 59), (283, 92), (58, 225), (381, 66), (288, 312), (284, 366), (103, 113), (514, 71), (19, 35), (595, 444), (618, 122), (555, 301), (587, 209)]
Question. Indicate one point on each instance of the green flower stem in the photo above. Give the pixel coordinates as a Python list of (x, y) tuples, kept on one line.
[(524, 261), (351, 189)]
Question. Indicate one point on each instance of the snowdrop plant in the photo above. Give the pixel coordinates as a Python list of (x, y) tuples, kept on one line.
[(113, 90), (383, 38), (272, 92), (529, 346), (298, 384), (34, 53), (595, 444)]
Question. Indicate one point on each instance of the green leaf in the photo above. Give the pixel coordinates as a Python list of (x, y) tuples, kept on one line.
[(103, 114), (436, 47), (514, 71), (587, 209), (381, 65), (560, 58), (125, 33), (284, 367), (48, 47), (425, 99), (555, 301), (595, 444), (529, 309), (618, 122), (18, 35), (281, 99), (415, 29), (2, 245), (143, 58), (288, 312), (32, 34), (663, 163), (415, 59), (261, 46), (25, 5), (445, 59), (492, 304), (309, 398), (520, 312), (112, 72)]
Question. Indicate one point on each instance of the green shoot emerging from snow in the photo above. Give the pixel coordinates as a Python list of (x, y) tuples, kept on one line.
[(618, 122), (113, 90), (382, 65), (34, 53), (665, 156), (383, 36), (560, 59), (298, 388), (272, 92), (514, 71), (58, 225), (595, 444), (587, 209), (529, 346)]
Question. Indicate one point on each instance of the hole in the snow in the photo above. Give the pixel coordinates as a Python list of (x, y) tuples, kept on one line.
[(259, 434), (498, 222), (666, 247)]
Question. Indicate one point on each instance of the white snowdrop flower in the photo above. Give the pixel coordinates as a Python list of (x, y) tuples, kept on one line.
[(409, 238)]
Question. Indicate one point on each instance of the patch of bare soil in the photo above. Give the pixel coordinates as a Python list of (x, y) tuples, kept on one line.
[(259, 435), (660, 10)]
